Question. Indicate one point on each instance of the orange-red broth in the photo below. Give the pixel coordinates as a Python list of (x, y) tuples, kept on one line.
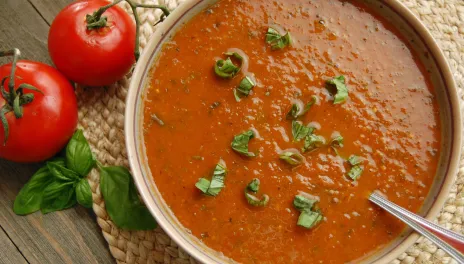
[(390, 119)]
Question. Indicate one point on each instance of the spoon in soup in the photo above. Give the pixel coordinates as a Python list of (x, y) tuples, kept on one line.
[(449, 241)]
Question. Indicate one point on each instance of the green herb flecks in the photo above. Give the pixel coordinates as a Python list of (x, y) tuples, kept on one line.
[(244, 88), (240, 143), (337, 141), (226, 68), (309, 217), (300, 131), (292, 158), (295, 111), (355, 160), (276, 40), (337, 87), (312, 142), (253, 187), (213, 187), (356, 170)]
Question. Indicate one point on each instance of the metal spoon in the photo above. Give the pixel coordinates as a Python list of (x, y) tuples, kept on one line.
[(449, 241)]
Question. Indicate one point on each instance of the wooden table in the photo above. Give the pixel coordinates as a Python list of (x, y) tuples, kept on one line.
[(70, 236)]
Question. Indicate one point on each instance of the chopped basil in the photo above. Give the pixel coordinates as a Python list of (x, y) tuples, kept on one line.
[(354, 160), (253, 186), (213, 187), (244, 88), (308, 217), (226, 68), (337, 86), (240, 143), (292, 158), (337, 141), (355, 172), (312, 142), (276, 40), (296, 112), (300, 131)]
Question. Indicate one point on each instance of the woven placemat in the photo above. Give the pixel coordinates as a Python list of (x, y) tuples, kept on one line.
[(101, 115)]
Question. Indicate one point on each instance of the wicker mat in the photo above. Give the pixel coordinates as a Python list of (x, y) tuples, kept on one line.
[(101, 115)]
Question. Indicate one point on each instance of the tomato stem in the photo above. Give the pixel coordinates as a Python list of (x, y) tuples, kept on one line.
[(96, 20), (15, 98)]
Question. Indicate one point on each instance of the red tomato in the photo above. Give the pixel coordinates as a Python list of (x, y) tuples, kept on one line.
[(48, 122), (92, 57)]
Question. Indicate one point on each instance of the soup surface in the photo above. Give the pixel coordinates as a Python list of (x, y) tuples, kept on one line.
[(390, 119)]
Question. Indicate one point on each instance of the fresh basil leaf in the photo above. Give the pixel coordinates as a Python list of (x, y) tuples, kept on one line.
[(296, 112), (226, 68), (309, 219), (79, 157), (300, 131), (292, 158), (57, 196), (302, 203), (337, 141), (276, 40), (253, 186), (312, 142), (355, 172), (217, 181), (244, 88), (84, 193), (122, 202), (61, 173), (203, 185), (355, 160), (240, 143), (337, 86)]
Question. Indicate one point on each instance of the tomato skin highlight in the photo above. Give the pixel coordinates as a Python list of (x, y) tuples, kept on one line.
[(92, 57), (49, 120)]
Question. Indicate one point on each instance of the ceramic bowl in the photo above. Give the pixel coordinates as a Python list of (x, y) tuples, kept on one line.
[(419, 39)]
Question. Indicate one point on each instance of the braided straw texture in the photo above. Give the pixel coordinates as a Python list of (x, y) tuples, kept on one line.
[(101, 115)]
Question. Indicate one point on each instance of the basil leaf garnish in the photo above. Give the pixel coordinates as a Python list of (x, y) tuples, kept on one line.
[(308, 217), (79, 157), (337, 141), (58, 195), (300, 131), (276, 40), (355, 160), (213, 187), (296, 112), (312, 142), (292, 158), (121, 200), (337, 86), (240, 143), (253, 187), (226, 68), (244, 88), (84, 193), (61, 173), (355, 172)]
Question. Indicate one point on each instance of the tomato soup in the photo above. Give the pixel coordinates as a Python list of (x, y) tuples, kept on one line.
[(388, 119)]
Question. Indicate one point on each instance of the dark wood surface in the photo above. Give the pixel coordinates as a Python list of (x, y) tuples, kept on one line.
[(70, 236)]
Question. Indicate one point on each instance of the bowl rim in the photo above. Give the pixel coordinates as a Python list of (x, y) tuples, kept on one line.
[(145, 63)]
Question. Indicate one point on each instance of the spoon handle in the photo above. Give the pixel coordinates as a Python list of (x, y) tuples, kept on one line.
[(450, 242)]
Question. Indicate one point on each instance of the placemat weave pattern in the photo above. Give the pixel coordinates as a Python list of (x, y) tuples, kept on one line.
[(101, 115)]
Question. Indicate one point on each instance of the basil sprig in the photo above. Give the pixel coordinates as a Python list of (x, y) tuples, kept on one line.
[(240, 143), (213, 187), (338, 87), (244, 88), (309, 216), (62, 183), (300, 131), (226, 68), (276, 40), (253, 187), (296, 112)]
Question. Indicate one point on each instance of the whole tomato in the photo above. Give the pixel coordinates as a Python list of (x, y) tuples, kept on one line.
[(94, 57), (48, 121)]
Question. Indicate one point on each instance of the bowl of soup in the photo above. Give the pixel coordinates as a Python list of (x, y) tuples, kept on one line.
[(257, 129)]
